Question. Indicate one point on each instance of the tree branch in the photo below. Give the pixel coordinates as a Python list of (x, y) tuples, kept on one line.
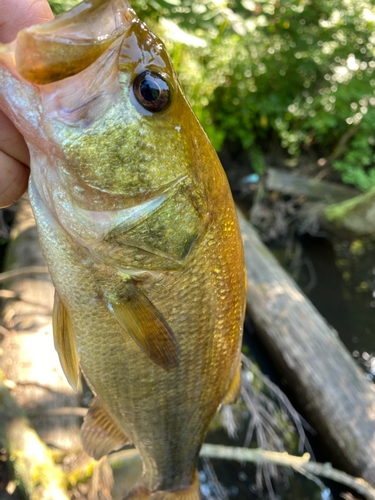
[(16, 273), (300, 464)]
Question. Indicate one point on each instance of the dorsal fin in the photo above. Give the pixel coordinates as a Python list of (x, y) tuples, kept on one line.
[(99, 432), (49, 52), (64, 340), (140, 318)]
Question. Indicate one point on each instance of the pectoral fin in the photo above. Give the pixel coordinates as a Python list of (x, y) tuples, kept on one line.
[(99, 433), (72, 42), (234, 388), (140, 318), (63, 337)]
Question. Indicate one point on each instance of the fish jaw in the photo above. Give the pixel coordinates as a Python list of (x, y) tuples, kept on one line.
[(53, 51)]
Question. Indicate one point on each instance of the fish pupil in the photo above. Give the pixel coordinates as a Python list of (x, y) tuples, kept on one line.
[(150, 90)]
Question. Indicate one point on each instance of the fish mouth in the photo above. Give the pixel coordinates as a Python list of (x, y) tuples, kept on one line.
[(70, 43)]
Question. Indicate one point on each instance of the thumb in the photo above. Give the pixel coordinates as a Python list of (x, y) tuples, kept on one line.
[(18, 14)]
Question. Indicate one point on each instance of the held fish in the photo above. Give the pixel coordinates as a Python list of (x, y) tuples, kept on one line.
[(139, 231)]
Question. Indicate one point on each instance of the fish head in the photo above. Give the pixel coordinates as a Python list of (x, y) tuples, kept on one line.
[(124, 148), (112, 106)]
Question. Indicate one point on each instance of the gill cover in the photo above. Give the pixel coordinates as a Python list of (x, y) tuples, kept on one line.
[(53, 51)]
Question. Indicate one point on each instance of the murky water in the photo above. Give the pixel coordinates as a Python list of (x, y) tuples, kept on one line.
[(344, 292)]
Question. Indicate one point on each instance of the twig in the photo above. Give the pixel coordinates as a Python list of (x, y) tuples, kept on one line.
[(348, 496), (38, 385), (7, 294), (339, 149), (270, 410), (212, 477), (265, 402), (16, 273), (300, 464)]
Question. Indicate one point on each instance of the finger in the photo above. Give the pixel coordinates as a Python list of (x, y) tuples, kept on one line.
[(19, 14), (12, 142), (13, 179)]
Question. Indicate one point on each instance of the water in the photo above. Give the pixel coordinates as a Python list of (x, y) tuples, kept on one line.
[(345, 292)]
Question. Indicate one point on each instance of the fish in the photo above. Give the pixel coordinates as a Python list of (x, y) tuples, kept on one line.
[(139, 231)]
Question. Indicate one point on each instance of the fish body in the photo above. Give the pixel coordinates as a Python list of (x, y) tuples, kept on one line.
[(139, 231)]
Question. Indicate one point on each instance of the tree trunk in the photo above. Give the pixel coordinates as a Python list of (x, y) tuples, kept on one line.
[(338, 399)]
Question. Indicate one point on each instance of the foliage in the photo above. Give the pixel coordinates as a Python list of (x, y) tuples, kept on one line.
[(60, 6), (297, 70)]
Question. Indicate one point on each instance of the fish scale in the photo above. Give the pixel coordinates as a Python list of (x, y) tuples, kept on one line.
[(142, 373)]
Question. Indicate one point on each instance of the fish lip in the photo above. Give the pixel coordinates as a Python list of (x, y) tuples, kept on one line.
[(123, 13), (65, 46)]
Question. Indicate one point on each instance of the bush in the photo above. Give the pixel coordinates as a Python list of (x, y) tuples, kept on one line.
[(300, 70)]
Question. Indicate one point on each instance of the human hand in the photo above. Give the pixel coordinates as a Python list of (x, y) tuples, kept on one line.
[(14, 154)]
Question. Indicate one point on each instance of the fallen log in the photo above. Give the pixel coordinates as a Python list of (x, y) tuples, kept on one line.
[(33, 468), (335, 395), (340, 210), (313, 189), (352, 218)]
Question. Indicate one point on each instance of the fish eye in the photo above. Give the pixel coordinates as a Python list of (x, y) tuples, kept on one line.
[(151, 91)]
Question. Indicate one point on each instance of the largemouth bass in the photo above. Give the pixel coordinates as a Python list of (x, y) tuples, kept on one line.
[(139, 231)]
